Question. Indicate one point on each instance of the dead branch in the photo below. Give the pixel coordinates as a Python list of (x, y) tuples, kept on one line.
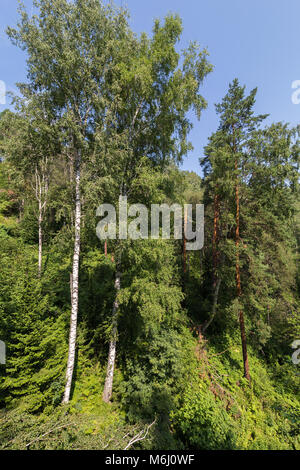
[(140, 436), (49, 432)]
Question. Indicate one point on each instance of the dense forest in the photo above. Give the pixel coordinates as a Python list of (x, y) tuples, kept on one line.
[(142, 344)]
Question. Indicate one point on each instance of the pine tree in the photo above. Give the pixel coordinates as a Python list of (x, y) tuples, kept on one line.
[(229, 149)]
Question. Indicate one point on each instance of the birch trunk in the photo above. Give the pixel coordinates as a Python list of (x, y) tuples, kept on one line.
[(40, 241), (184, 244), (107, 392), (42, 174), (74, 285)]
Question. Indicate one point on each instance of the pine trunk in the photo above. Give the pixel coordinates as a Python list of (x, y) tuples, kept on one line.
[(214, 307), (215, 239), (238, 283), (107, 393), (74, 285), (216, 283)]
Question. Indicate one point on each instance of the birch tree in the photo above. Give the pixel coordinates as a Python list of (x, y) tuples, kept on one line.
[(30, 148), (71, 47), (150, 116)]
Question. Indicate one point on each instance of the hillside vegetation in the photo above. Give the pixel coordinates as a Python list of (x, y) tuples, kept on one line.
[(142, 344)]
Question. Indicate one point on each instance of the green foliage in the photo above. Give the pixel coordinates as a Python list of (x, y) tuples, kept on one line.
[(122, 103), (220, 411), (203, 421)]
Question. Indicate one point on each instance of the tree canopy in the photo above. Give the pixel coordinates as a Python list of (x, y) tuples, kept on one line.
[(142, 344)]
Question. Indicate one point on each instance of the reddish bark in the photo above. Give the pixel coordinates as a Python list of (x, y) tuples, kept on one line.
[(238, 281), (215, 239)]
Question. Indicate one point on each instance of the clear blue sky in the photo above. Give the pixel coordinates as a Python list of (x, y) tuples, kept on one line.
[(257, 41)]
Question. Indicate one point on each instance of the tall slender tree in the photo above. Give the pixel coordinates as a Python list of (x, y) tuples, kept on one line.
[(30, 147), (71, 48), (156, 95), (228, 151)]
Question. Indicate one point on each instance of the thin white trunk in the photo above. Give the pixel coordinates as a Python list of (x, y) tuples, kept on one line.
[(74, 286), (42, 174), (107, 393), (40, 240)]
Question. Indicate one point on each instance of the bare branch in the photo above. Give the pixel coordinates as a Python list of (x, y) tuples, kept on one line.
[(140, 436), (49, 432)]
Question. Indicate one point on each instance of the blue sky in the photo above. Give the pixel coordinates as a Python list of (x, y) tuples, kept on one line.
[(257, 41)]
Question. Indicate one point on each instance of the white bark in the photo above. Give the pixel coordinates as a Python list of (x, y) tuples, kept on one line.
[(107, 393), (74, 286), (40, 241), (140, 436), (41, 192)]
